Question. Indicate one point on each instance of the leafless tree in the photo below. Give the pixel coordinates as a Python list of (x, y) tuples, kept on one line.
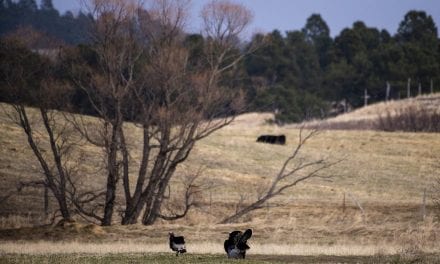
[(26, 76), (29, 65), (145, 73), (293, 171)]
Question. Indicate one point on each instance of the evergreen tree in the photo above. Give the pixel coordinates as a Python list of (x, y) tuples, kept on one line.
[(46, 5), (418, 37), (317, 33), (417, 26), (28, 5)]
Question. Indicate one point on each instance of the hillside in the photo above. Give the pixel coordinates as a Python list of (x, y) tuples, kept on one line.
[(368, 117), (385, 173)]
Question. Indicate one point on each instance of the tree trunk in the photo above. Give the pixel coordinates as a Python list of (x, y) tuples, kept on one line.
[(65, 213), (148, 195), (110, 195), (46, 201), (61, 188), (131, 216), (153, 207), (135, 203), (58, 191), (149, 215)]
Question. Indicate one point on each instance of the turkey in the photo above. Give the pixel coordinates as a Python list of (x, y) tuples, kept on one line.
[(235, 245), (177, 243)]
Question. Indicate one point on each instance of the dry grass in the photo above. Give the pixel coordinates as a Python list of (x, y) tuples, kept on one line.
[(385, 172), (430, 102), (45, 247), (368, 117)]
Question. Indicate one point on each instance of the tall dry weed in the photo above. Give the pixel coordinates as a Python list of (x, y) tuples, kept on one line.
[(420, 239), (409, 119), (19, 221)]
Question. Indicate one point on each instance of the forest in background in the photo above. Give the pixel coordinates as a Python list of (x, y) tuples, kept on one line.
[(69, 27), (297, 74)]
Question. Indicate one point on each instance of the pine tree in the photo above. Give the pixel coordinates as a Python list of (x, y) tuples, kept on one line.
[(28, 5), (46, 5)]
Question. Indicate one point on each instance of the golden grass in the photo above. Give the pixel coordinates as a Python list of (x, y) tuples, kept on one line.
[(385, 172), (430, 102), (45, 247), (366, 115)]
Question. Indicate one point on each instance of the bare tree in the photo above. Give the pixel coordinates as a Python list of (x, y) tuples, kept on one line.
[(145, 73), (26, 76), (293, 171), (107, 84), (30, 62)]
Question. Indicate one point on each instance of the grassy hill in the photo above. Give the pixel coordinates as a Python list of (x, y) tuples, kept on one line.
[(371, 204), (368, 117)]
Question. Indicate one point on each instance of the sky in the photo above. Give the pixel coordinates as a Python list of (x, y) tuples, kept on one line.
[(288, 15)]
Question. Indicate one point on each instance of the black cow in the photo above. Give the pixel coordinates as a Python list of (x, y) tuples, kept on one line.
[(272, 139)]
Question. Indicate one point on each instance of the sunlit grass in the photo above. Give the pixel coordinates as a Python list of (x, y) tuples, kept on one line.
[(386, 173), (45, 248)]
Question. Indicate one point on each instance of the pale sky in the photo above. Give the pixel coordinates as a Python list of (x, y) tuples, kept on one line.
[(286, 15)]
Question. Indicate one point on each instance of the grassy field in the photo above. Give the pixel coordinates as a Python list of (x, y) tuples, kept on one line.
[(385, 173)]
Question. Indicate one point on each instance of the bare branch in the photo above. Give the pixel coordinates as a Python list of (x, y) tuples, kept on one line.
[(279, 184), (191, 191)]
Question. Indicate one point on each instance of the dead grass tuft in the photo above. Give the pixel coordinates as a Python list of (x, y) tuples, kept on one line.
[(417, 239), (94, 229), (18, 220)]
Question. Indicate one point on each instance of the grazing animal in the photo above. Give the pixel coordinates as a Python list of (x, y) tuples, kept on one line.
[(271, 139), (236, 246), (177, 243)]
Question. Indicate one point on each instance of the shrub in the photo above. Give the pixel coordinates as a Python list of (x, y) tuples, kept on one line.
[(410, 119)]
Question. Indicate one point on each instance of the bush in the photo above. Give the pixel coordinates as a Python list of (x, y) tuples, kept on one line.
[(410, 119)]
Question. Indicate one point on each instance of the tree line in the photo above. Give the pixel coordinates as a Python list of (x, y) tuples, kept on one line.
[(297, 74), (300, 72), (70, 28)]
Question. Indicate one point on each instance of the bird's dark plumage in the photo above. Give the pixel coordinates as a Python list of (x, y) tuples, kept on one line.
[(177, 243), (236, 245)]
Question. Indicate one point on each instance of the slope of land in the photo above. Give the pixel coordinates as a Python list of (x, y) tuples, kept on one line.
[(367, 117), (372, 200)]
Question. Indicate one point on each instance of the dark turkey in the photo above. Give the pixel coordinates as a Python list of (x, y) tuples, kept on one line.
[(177, 243), (236, 245)]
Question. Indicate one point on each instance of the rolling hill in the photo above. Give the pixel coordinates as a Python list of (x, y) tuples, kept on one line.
[(368, 117), (372, 199)]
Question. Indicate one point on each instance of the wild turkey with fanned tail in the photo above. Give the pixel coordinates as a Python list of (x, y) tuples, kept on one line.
[(236, 245), (177, 243)]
